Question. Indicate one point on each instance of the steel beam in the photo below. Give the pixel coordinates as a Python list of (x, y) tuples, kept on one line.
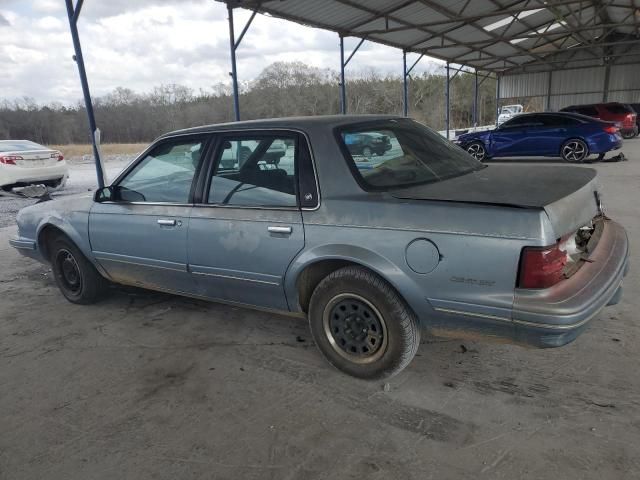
[(73, 14), (447, 101), (405, 87), (234, 71), (475, 99), (343, 93), (497, 98)]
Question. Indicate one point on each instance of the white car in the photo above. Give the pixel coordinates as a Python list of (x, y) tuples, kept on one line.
[(24, 163), (509, 111)]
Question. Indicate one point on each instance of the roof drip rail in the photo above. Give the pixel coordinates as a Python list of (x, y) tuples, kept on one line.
[(73, 14)]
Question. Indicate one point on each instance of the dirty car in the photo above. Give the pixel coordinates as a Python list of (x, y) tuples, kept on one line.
[(424, 238)]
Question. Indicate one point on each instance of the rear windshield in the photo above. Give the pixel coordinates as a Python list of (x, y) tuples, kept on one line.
[(401, 152), (618, 109), (19, 145)]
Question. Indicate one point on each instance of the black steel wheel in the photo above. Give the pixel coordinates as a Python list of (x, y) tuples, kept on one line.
[(355, 328), (477, 150), (361, 325), (574, 151), (76, 277)]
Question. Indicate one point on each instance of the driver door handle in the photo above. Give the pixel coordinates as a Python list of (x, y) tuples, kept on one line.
[(274, 229), (166, 222)]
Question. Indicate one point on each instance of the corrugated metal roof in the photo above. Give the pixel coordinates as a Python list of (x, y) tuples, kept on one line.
[(494, 35)]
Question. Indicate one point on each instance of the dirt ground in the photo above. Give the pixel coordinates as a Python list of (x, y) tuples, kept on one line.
[(147, 386)]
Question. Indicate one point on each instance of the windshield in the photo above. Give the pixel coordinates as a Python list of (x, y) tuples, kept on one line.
[(401, 152), (19, 146)]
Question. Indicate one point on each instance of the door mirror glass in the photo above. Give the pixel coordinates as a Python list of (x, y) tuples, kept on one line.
[(116, 193), (104, 194)]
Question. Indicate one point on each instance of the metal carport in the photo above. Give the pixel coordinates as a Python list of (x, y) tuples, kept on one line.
[(530, 46)]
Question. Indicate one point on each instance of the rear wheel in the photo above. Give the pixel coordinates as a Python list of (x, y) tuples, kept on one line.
[(627, 134), (574, 151), (366, 151), (76, 277), (361, 325), (477, 150)]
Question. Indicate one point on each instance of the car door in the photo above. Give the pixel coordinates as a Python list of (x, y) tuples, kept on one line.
[(509, 138), (543, 135), (247, 228), (139, 235)]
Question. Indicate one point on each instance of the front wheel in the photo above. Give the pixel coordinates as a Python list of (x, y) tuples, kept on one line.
[(477, 150), (574, 151), (627, 134), (76, 277), (361, 325)]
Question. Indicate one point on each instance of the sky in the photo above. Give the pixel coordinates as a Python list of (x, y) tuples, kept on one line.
[(144, 43)]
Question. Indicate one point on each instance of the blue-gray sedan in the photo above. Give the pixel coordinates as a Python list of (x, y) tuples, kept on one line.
[(373, 249)]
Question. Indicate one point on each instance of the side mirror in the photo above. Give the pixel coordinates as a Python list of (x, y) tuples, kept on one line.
[(104, 194), (117, 194)]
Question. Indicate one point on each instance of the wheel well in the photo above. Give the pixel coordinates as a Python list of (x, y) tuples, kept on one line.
[(313, 274), (48, 233)]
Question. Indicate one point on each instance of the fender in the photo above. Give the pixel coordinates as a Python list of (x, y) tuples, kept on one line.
[(412, 294)]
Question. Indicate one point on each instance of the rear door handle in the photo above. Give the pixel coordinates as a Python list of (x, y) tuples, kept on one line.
[(273, 229), (166, 222)]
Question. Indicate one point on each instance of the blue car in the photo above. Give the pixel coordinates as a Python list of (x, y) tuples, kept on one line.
[(571, 136)]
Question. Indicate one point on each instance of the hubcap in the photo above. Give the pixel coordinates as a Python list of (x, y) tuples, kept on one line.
[(476, 151), (355, 329), (574, 151), (69, 271)]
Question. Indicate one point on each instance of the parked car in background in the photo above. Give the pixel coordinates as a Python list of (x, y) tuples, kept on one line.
[(509, 111), (368, 144), (623, 115), (569, 136), (636, 108), (429, 238), (24, 163)]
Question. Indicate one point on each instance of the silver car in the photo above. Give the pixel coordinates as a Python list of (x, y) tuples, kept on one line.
[(424, 238)]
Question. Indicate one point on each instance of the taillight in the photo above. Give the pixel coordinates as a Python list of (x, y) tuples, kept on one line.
[(58, 156), (9, 159), (542, 267), (611, 129)]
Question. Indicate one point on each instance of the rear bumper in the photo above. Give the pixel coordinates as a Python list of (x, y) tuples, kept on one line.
[(15, 175), (605, 143), (555, 316)]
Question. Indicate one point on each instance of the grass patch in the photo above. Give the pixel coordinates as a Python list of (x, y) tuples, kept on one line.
[(78, 150)]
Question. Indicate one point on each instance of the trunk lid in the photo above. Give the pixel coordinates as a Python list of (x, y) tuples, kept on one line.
[(569, 195), (36, 158)]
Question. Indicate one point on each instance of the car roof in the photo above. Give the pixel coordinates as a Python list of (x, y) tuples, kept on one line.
[(328, 121)]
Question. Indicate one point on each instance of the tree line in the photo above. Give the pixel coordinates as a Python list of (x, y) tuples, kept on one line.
[(281, 89)]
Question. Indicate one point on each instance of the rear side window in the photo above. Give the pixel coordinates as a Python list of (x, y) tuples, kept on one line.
[(618, 108), (589, 111), (398, 153), (255, 171)]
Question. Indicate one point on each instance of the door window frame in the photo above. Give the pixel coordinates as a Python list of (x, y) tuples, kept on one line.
[(215, 156), (207, 140)]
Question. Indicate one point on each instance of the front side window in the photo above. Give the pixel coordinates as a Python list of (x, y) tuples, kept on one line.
[(403, 153), (255, 171), (165, 174)]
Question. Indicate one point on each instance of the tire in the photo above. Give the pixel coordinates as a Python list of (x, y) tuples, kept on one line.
[(574, 151), (629, 134), (354, 298), (366, 152), (75, 276), (478, 151)]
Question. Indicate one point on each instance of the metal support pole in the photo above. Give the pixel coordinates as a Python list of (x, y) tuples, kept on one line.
[(607, 76), (475, 99), (405, 87), (447, 92), (549, 84), (234, 72), (497, 98), (343, 94), (73, 14)]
